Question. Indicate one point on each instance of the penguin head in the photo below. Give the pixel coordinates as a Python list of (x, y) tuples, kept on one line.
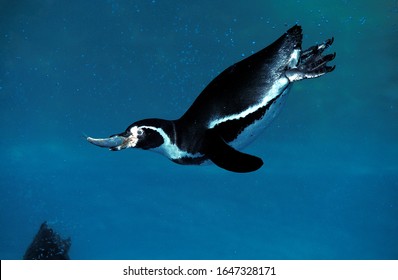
[(144, 134), (148, 134)]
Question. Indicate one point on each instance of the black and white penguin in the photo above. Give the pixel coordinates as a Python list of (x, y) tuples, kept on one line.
[(232, 110)]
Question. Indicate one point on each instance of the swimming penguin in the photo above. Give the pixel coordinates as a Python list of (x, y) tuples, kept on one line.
[(232, 110)]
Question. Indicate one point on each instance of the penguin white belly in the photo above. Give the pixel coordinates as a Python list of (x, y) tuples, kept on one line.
[(251, 132)]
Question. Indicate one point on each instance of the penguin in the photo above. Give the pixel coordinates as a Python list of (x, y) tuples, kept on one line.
[(232, 110)]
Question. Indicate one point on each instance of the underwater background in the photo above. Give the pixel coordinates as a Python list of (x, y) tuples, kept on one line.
[(329, 185)]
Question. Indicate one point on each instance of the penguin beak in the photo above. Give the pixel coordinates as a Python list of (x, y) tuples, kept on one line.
[(114, 143)]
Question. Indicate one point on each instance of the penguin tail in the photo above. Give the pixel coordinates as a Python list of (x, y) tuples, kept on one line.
[(295, 36)]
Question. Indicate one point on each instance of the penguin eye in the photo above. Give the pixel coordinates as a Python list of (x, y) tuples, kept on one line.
[(140, 132), (136, 131)]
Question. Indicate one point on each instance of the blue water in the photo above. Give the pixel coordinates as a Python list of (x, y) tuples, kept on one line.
[(329, 185)]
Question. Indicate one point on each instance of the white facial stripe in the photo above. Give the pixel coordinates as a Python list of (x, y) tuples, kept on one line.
[(133, 138), (275, 90), (169, 149)]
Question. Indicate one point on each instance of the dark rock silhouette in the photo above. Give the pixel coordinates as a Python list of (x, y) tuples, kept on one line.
[(48, 245)]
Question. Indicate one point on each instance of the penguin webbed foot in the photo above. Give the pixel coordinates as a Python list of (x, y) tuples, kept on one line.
[(315, 50), (312, 63)]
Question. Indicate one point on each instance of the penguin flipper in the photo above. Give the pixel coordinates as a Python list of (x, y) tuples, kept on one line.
[(226, 157)]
